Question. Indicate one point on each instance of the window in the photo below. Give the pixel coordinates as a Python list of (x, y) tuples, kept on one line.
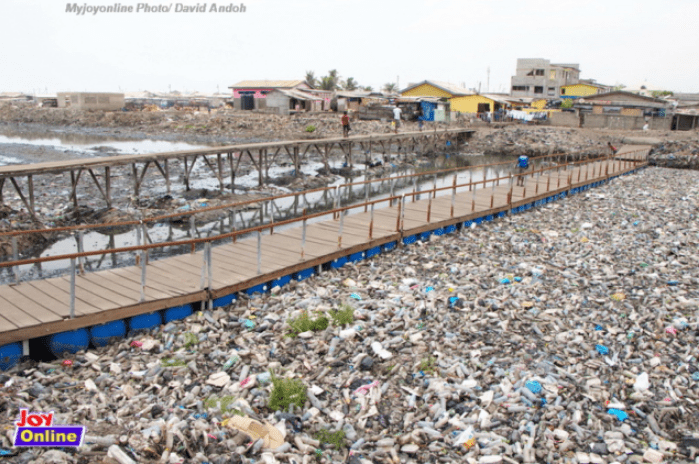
[(552, 91), (538, 89), (519, 88), (563, 91), (539, 72), (552, 74)]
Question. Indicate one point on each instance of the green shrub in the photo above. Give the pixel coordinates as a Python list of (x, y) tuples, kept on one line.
[(310, 128), (190, 340), (342, 316), (335, 438), (304, 323), (223, 403), (286, 392), (427, 365), (172, 362)]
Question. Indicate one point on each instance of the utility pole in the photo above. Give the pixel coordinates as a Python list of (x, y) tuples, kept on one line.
[(487, 86)]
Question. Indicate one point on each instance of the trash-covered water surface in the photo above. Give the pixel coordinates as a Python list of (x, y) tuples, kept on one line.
[(588, 354)]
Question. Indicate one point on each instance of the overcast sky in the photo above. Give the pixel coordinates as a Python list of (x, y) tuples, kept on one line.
[(46, 49)]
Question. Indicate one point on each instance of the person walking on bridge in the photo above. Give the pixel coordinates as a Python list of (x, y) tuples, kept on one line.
[(522, 166), (396, 118), (612, 148), (345, 124)]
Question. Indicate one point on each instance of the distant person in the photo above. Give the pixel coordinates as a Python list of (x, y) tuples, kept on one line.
[(396, 118), (420, 118), (522, 166), (612, 148), (345, 125), (646, 126)]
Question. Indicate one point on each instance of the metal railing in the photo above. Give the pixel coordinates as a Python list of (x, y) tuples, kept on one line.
[(617, 165)]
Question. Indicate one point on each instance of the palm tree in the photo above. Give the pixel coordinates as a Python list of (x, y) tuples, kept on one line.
[(390, 87), (350, 84), (333, 74), (311, 79), (327, 83)]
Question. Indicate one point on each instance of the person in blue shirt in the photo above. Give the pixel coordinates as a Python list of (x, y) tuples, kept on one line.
[(522, 166)]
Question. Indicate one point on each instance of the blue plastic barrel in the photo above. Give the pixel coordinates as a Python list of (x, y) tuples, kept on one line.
[(305, 274), (354, 257), (145, 321), (388, 246), (371, 252), (409, 240), (280, 282), (10, 355), (261, 288), (72, 342), (180, 312), (338, 263), (102, 334)]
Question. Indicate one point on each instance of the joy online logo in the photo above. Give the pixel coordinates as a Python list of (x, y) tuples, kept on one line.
[(36, 429)]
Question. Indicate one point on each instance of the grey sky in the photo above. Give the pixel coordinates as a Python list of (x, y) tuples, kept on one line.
[(615, 41)]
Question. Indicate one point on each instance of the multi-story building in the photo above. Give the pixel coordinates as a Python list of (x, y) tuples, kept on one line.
[(539, 78)]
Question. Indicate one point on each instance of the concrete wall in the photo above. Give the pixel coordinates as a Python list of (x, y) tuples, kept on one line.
[(91, 101), (278, 100), (613, 121), (564, 118), (608, 121)]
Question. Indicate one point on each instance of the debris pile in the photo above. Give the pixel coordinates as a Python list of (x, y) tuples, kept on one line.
[(565, 334)]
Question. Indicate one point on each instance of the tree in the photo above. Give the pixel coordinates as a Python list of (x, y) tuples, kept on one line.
[(311, 79), (368, 88), (331, 81), (327, 83), (567, 103), (619, 87), (350, 84), (390, 87)]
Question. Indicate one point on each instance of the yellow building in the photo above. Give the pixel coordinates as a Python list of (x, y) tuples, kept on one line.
[(478, 103), (438, 89), (582, 90)]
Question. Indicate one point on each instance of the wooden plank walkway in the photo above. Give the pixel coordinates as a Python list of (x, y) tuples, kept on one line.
[(36, 308)]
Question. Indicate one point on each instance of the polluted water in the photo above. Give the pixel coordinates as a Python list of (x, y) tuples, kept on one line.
[(565, 334)]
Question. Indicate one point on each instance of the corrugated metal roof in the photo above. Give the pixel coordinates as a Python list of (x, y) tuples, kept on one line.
[(453, 89), (267, 84), (292, 93)]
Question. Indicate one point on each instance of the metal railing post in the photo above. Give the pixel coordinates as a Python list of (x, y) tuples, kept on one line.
[(143, 275), (259, 252), (81, 248), (72, 288), (339, 232), (15, 257), (303, 235)]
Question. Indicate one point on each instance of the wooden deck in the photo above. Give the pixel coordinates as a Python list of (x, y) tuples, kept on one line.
[(42, 307)]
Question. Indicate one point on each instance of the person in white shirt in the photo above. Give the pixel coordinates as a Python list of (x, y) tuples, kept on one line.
[(396, 118)]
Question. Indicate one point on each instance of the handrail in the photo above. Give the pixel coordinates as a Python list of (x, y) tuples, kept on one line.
[(264, 199), (271, 226)]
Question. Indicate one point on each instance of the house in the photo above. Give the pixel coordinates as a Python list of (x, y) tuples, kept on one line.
[(288, 101), (252, 95), (444, 90), (91, 100), (583, 89), (622, 103), (539, 78), (480, 103)]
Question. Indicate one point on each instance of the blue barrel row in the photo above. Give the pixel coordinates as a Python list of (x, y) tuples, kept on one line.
[(97, 335)]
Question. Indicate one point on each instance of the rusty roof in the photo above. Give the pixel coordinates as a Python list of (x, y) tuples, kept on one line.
[(267, 84)]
